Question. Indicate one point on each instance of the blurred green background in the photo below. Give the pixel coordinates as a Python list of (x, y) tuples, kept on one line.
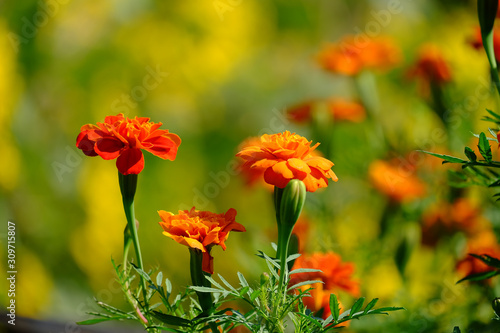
[(223, 71)]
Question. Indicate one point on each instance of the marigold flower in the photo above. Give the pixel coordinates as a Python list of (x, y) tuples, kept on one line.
[(447, 218), (430, 67), (340, 109), (200, 230), (335, 274), (398, 183), (483, 243), (123, 138), (285, 156), (349, 56)]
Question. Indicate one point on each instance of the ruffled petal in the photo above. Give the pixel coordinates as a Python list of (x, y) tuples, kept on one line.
[(130, 161), (108, 148)]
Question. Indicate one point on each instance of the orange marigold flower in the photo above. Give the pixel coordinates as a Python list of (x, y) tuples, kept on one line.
[(285, 156), (123, 138), (340, 109), (447, 218), (349, 56), (200, 230), (335, 274), (430, 67), (483, 243), (398, 183)]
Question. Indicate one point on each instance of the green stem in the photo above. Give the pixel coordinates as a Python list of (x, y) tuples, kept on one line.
[(198, 279), (128, 185)]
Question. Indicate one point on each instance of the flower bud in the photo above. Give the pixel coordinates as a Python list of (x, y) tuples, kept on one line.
[(487, 11), (495, 304), (264, 278), (292, 201)]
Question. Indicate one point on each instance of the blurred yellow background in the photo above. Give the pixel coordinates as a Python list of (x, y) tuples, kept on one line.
[(215, 73)]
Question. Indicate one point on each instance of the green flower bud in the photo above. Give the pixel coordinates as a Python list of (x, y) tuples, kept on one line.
[(495, 304), (264, 278), (486, 11), (292, 201)]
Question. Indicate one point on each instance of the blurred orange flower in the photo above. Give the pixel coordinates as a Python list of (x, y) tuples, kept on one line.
[(430, 67), (200, 230), (335, 274), (398, 183), (446, 218), (285, 156), (123, 138), (349, 56), (340, 109), (484, 242), (302, 230)]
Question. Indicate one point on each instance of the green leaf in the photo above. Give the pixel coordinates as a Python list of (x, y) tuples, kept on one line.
[(243, 281), (334, 307), (484, 147), (305, 270), (456, 329), (385, 310), (255, 294), (159, 278), (206, 289), (446, 158), (370, 305), (357, 306), (171, 320), (97, 320), (303, 283), (488, 260), (142, 273), (494, 114), (479, 276), (470, 154)]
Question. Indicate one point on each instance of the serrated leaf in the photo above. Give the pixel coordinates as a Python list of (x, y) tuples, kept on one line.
[(334, 307), (470, 154), (484, 147), (243, 291), (243, 281), (226, 283), (357, 306), (206, 289), (142, 273), (171, 320), (370, 305), (446, 158), (304, 283), (305, 270)]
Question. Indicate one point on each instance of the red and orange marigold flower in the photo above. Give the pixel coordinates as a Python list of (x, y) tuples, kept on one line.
[(285, 156), (484, 242), (335, 274), (200, 230), (430, 67), (123, 138), (350, 56)]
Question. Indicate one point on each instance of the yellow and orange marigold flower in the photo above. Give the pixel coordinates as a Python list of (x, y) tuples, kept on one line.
[(339, 108), (200, 230), (398, 183), (430, 67), (349, 56), (285, 156), (123, 138), (335, 274)]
